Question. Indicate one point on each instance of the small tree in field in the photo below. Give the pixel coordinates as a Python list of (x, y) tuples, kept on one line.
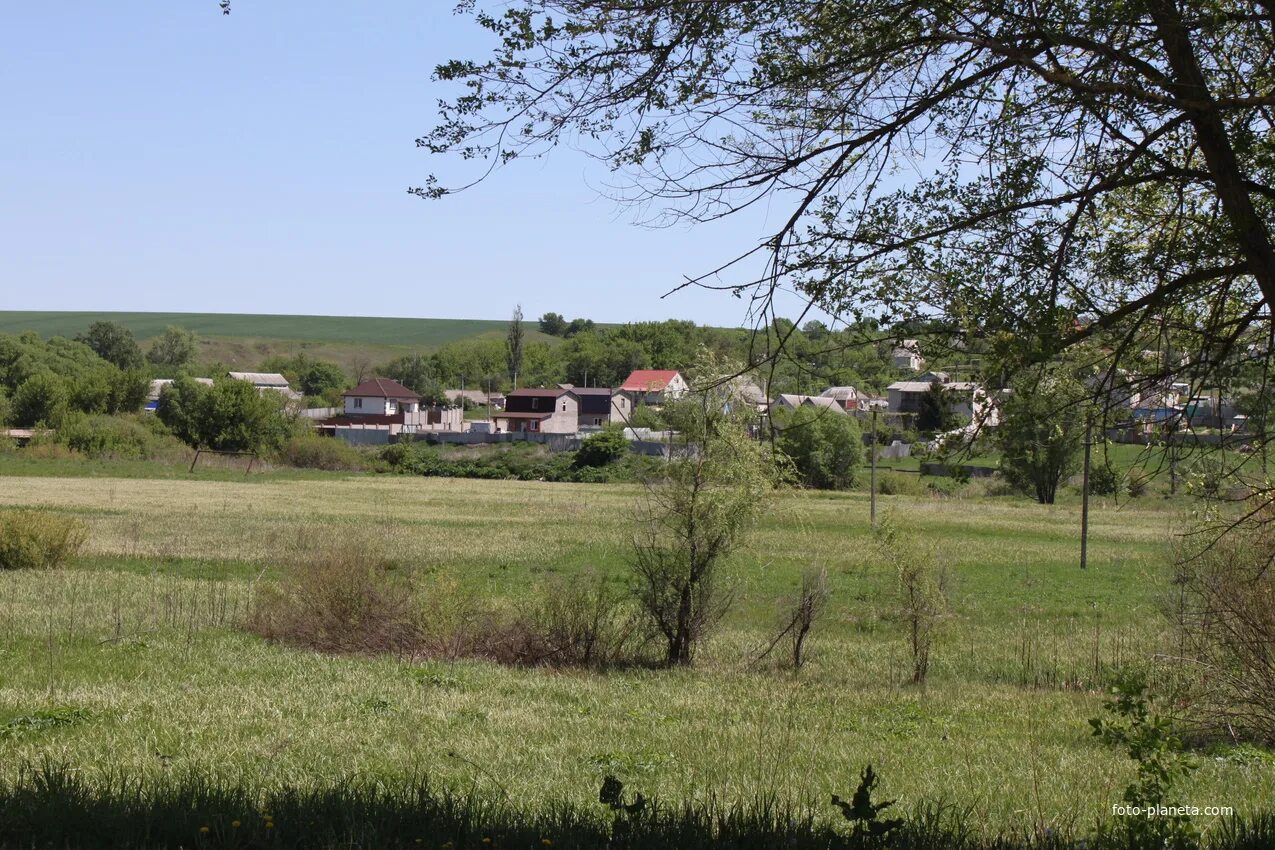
[(1042, 428), (825, 446), (695, 513), (935, 413)]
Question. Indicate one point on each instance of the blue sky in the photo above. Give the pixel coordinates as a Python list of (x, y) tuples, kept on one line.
[(161, 156)]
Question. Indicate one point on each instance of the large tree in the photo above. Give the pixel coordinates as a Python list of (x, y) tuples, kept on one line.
[(1036, 172), (514, 346), (114, 343)]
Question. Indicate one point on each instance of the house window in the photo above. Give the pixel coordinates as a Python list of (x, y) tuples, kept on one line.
[(358, 403), (535, 404), (533, 425), (564, 405)]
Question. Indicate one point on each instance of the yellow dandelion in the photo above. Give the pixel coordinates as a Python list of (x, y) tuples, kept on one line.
[(487, 840), (269, 824), (204, 830), (235, 824), (546, 842)]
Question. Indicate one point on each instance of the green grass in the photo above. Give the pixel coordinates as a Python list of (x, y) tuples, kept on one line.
[(418, 333), (141, 640)]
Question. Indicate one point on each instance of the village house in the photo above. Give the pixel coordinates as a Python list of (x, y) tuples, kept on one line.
[(655, 386), (791, 401), (475, 398), (907, 356), (847, 397), (539, 411), (264, 381), (388, 408), (966, 398), (600, 406)]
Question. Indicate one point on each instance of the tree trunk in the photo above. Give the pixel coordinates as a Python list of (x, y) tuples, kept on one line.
[(1210, 131)]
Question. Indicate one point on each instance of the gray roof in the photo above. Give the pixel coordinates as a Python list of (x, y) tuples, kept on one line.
[(260, 379)]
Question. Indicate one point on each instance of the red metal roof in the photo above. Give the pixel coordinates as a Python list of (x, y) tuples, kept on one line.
[(381, 388), (648, 380)]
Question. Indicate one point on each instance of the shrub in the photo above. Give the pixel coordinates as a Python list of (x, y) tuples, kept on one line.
[(1137, 482), (900, 484), (41, 399), (922, 588), (118, 437), (581, 622), (340, 599), (312, 451), (1104, 480), (38, 539), (1225, 614), (825, 447), (603, 448)]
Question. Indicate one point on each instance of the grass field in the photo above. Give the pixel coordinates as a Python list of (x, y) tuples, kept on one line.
[(424, 333), (243, 341), (138, 646)]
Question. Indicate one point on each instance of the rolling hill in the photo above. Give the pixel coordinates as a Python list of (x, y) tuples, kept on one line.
[(416, 333), (245, 341)]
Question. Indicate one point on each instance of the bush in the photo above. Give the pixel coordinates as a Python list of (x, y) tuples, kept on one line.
[(1104, 480), (901, 484), (517, 462), (603, 448), (1224, 609), (312, 451), (825, 447), (41, 399), (339, 599), (118, 437), (38, 539), (581, 622), (1137, 482)]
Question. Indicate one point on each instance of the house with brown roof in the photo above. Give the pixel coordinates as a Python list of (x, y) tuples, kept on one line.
[(655, 386), (385, 405), (539, 411), (600, 406)]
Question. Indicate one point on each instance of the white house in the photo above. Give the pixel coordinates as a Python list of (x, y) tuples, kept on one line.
[(267, 381), (656, 386), (847, 397), (380, 397), (380, 408), (907, 356)]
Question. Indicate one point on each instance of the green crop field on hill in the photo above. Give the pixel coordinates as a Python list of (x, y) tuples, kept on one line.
[(338, 329)]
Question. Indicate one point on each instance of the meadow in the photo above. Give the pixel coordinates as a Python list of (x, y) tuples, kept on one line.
[(135, 659), (244, 341), (420, 333)]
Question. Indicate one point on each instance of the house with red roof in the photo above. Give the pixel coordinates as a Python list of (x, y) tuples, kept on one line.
[(655, 386)]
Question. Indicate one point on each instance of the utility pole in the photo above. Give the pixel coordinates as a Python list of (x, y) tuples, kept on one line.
[(873, 481), (1084, 497)]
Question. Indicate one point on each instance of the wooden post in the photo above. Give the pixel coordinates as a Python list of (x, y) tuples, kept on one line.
[(196, 460), (873, 481), (1084, 497)]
